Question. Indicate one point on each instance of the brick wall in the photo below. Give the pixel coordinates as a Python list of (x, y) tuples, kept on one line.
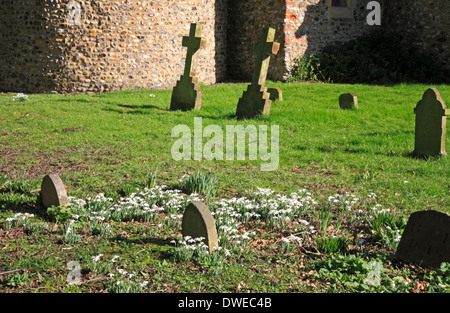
[(109, 45), (309, 28), (303, 27)]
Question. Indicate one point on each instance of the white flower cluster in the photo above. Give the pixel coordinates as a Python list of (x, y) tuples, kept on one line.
[(292, 238), (144, 205), (18, 216), (20, 97), (265, 205), (192, 243), (231, 215), (377, 209), (346, 200)]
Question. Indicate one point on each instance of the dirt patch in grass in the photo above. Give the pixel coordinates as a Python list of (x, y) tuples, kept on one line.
[(44, 162)]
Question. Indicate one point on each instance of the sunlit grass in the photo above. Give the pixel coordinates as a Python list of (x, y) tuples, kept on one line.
[(345, 185)]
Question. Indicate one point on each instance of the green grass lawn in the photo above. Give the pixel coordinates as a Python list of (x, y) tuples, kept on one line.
[(109, 143)]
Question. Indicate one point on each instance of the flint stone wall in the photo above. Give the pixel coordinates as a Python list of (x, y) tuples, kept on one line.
[(103, 45), (423, 23), (94, 46)]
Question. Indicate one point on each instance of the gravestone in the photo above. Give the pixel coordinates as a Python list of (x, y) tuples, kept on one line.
[(186, 94), (431, 118), (198, 222), (426, 239), (275, 94), (256, 99), (348, 101), (53, 192)]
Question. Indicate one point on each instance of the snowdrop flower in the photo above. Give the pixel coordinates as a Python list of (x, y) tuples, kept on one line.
[(122, 271), (286, 240), (97, 258), (20, 96)]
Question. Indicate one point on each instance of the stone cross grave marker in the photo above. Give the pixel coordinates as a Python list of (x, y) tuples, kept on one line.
[(426, 239), (186, 94), (256, 100), (275, 94), (198, 222), (431, 118), (53, 192), (348, 101)]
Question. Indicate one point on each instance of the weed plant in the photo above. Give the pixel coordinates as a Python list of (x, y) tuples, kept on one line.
[(200, 183)]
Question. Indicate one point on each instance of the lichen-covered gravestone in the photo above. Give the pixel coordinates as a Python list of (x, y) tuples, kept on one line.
[(186, 94), (198, 222), (256, 100), (53, 192), (426, 239), (431, 118), (348, 101)]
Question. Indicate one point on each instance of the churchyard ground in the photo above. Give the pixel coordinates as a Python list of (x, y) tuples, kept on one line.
[(328, 219)]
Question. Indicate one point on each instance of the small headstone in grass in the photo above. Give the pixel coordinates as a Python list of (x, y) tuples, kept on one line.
[(275, 94), (199, 222), (256, 99), (186, 94), (53, 192), (426, 239), (431, 119), (348, 101)]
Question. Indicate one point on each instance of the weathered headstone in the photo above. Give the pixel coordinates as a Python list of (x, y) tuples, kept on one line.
[(256, 100), (431, 118), (275, 94), (198, 222), (186, 94), (348, 101), (53, 192), (426, 239)]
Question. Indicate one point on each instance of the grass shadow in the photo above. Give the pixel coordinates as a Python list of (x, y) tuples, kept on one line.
[(30, 207), (414, 155), (135, 109), (145, 106), (229, 116), (146, 240)]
